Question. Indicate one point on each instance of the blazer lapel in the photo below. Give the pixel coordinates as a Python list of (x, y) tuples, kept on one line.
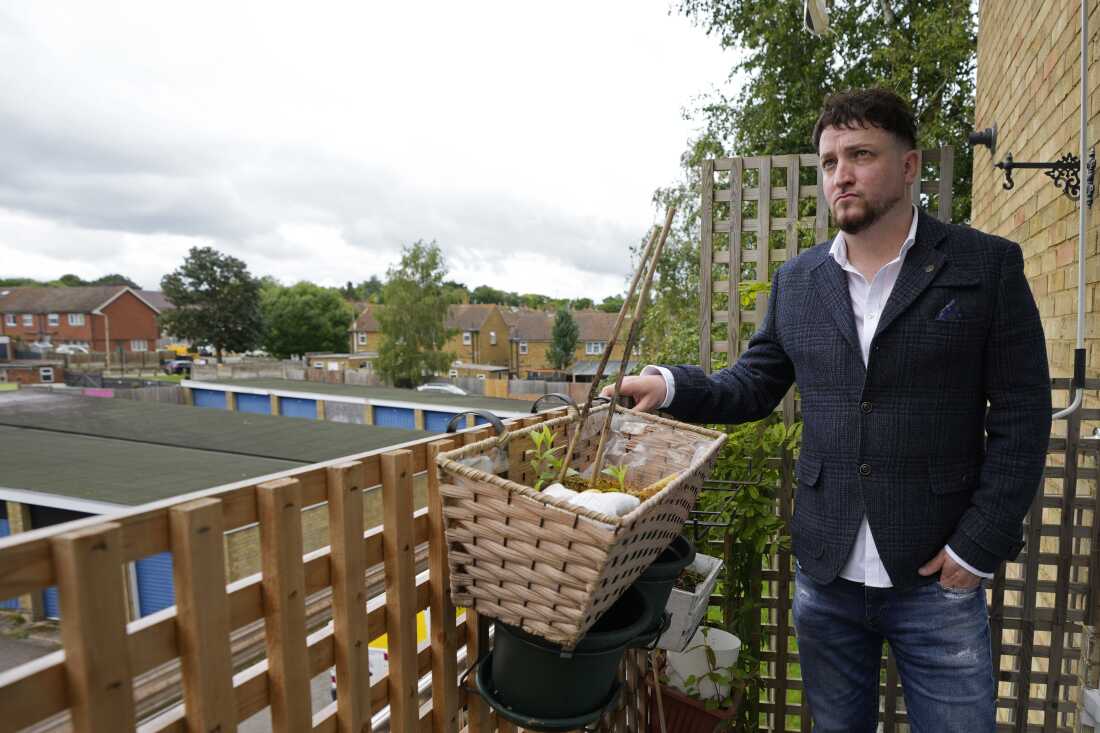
[(923, 263), (831, 285)]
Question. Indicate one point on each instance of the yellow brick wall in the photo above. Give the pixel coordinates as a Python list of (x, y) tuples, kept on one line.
[(537, 359), (489, 353), (1028, 83)]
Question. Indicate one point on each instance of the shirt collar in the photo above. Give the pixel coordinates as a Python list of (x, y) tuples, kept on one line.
[(839, 249)]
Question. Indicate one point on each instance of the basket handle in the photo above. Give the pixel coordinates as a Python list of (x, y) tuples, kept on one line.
[(559, 396), (496, 422)]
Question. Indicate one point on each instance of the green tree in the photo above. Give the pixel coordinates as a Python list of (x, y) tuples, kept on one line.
[(412, 323), (304, 318), (563, 340), (71, 281), (925, 51), (611, 304), (115, 279), (581, 304), (217, 302)]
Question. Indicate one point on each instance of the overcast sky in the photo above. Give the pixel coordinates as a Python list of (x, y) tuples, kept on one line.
[(313, 140)]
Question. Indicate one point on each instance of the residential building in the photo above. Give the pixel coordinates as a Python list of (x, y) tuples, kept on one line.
[(531, 336), (481, 333), (107, 318)]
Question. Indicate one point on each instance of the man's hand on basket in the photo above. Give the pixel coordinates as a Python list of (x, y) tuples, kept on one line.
[(648, 391)]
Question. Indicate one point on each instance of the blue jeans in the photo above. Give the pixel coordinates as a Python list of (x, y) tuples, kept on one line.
[(939, 637)]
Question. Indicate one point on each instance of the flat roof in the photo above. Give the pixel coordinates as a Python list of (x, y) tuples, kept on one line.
[(496, 405), (129, 452)]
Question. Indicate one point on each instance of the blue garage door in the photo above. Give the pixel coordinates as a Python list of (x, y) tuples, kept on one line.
[(257, 404), (394, 417), (208, 398), (297, 407), (436, 422), (479, 420), (12, 603), (154, 580), (51, 605)]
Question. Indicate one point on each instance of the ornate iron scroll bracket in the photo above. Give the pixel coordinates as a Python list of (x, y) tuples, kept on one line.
[(1064, 173)]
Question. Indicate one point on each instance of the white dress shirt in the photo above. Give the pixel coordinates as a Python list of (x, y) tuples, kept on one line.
[(868, 299)]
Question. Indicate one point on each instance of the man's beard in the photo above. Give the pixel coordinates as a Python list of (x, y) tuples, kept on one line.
[(871, 212)]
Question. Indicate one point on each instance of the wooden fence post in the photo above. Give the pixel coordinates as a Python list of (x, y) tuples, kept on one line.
[(279, 507), (397, 539), (349, 598), (93, 629), (444, 632), (202, 608)]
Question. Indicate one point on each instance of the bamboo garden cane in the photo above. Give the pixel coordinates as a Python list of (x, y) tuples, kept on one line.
[(632, 336), (592, 392)]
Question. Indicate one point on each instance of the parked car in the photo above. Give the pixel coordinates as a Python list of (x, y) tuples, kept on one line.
[(441, 387), (72, 349), (178, 366)]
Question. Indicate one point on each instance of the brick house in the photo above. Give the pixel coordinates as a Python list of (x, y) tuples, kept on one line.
[(107, 318), (530, 337), (481, 333)]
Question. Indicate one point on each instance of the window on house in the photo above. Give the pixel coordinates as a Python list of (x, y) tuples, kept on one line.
[(453, 374), (481, 376), (139, 345), (492, 338), (362, 337), (45, 374), (523, 347), (9, 319), (467, 338), (593, 348), (318, 365), (53, 319), (28, 320), (76, 319)]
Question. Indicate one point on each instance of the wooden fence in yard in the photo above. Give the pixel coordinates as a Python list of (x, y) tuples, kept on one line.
[(90, 681)]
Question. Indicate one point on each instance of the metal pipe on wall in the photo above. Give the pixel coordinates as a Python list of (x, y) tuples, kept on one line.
[(1082, 225)]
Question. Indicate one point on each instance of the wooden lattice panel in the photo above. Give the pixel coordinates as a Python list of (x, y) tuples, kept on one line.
[(750, 229)]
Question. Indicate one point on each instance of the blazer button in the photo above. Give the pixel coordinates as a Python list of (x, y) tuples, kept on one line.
[(864, 469), (864, 407)]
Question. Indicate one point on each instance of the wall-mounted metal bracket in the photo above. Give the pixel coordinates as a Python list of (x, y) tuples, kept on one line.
[(1065, 173)]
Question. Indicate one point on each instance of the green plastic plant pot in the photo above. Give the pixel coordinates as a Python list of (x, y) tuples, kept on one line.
[(657, 580), (487, 689), (535, 679)]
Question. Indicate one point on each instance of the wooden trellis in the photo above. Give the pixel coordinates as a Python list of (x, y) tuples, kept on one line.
[(758, 212)]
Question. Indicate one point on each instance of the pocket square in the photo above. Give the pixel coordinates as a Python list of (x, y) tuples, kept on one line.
[(950, 312)]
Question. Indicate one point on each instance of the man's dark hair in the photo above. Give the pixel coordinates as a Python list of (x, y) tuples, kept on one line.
[(875, 107)]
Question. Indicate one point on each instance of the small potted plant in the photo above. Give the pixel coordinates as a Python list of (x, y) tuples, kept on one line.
[(702, 687)]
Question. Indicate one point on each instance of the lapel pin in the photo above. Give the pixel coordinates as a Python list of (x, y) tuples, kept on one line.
[(929, 268)]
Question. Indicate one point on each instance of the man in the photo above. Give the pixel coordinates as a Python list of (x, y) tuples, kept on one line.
[(919, 355)]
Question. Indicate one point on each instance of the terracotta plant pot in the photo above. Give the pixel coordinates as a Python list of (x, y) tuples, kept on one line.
[(685, 714)]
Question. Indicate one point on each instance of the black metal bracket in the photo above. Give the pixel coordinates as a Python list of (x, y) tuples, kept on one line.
[(1064, 173)]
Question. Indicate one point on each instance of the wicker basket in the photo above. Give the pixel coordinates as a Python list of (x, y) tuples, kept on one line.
[(548, 566)]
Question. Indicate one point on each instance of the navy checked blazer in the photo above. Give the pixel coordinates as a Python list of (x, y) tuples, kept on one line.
[(940, 439)]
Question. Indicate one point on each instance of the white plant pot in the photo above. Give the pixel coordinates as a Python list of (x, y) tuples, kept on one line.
[(693, 661), (687, 609)]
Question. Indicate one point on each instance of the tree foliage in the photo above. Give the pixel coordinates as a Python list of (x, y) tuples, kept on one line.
[(217, 302), (611, 304), (367, 290), (304, 318), (69, 280), (563, 340), (412, 323), (924, 50)]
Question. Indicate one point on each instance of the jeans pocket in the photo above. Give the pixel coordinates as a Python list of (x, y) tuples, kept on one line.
[(958, 592)]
